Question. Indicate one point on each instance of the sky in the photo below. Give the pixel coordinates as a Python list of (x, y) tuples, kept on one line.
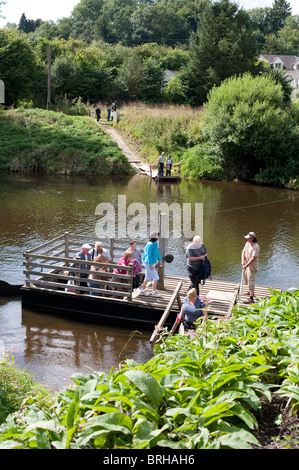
[(55, 9)]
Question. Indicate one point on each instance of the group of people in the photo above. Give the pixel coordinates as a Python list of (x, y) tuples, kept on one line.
[(110, 112), (102, 255), (194, 306), (168, 164)]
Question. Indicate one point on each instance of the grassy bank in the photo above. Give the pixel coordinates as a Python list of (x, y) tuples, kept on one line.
[(177, 130), (49, 142), (206, 390), (19, 389)]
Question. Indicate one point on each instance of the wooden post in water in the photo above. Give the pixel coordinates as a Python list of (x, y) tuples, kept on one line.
[(66, 245), (162, 248), (49, 54)]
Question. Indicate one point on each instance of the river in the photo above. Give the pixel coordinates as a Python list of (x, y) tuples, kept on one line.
[(35, 209)]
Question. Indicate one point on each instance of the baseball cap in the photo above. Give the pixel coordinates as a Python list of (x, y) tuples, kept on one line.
[(250, 235)]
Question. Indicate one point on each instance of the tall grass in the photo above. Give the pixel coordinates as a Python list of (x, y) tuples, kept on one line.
[(17, 388), (154, 129), (46, 141)]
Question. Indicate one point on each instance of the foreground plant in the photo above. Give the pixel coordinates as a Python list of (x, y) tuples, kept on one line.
[(200, 392)]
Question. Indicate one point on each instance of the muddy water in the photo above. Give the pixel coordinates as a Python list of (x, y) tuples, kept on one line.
[(36, 209)]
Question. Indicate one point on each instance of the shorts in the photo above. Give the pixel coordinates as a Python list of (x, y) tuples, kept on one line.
[(249, 278), (150, 274)]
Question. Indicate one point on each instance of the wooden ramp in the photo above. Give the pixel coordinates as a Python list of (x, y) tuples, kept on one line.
[(221, 295)]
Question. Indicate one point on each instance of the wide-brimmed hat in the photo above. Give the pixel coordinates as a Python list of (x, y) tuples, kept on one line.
[(250, 235)]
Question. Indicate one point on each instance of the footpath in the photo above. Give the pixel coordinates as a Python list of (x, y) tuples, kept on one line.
[(127, 149)]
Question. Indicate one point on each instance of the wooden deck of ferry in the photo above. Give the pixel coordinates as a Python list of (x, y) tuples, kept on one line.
[(46, 278)]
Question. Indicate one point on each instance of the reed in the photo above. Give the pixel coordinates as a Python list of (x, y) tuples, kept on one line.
[(153, 129)]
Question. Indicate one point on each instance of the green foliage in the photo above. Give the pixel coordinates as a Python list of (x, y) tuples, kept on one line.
[(247, 121), (18, 66), (199, 391), (202, 161), (17, 388), (157, 129), (223, 46), (45, 141)]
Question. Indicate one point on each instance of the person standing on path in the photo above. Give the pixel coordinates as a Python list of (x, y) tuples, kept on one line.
[(250, 263), (98, 113), (108, 113)]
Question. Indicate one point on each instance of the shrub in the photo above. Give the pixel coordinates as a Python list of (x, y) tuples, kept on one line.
[(247, 121)]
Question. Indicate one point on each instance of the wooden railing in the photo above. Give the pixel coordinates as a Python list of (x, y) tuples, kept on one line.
[(175, 169), (50, 265)]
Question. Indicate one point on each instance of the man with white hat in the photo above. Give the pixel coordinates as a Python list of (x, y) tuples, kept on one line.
[(250, 263), (84, 255)]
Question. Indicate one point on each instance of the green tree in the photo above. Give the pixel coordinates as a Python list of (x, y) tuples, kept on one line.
[(223, 46), (160, 24), (151, 81), (66, 74), (84, 18), (18, 66), (247, 121), (280, 11)]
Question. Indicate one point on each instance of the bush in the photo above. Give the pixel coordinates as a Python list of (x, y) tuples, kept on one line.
[(202, 162), (247, 120)]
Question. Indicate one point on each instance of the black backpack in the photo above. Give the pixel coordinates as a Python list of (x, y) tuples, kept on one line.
[(205, 270)]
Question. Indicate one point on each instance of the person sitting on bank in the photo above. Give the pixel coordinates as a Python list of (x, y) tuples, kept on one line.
[(99, 250), (151, 257), (193, 308), (96, 276)]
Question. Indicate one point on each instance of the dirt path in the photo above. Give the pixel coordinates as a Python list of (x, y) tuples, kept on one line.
[(131, 154)]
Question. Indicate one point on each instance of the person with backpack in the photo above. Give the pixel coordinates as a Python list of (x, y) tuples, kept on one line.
[(195, 253)]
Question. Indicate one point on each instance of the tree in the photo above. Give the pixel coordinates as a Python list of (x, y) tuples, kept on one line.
[(160, 24), (224, 45), (248, 122), (280, 11), (18, 66), (1, 3), (28, 26)]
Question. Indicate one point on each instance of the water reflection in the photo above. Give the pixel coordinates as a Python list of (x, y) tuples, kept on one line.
[(54, 348)]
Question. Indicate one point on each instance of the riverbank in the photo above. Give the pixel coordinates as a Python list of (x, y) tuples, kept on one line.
[(40, 141), (176, 130)]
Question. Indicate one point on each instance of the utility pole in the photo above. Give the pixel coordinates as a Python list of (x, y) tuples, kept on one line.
[(49, 53)]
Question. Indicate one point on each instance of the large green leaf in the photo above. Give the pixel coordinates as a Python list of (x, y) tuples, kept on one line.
[(147, 384)]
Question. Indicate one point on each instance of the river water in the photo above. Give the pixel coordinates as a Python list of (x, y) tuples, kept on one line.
[(35, 209)]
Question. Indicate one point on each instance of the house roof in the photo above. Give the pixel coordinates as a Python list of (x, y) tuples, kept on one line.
[(288, 60)]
